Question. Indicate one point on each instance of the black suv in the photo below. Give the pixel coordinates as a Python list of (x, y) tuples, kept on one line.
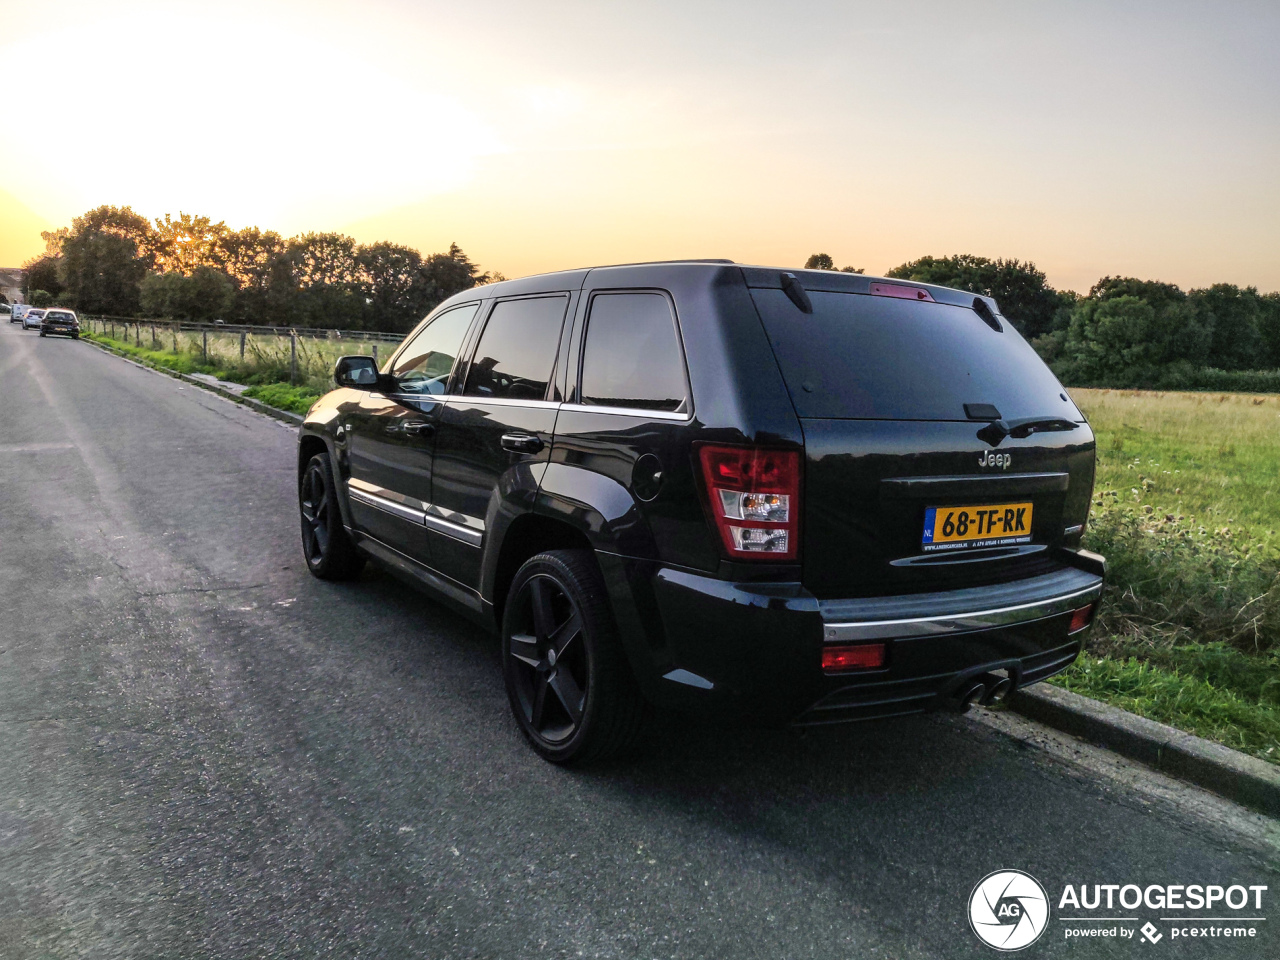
[(803, 497)]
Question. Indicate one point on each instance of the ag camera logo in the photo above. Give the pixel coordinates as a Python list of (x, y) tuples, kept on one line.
[(1008, 910)]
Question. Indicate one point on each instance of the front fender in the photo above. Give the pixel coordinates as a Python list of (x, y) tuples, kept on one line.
[(320, 426)]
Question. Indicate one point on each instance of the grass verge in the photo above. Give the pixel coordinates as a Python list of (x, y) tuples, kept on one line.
[(1209, 690), (1186, 512), (283, 396)]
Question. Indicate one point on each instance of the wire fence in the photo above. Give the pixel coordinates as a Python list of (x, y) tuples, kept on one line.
[(251, 353)]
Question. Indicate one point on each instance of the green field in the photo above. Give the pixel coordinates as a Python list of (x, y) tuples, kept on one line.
[(1186, 511)]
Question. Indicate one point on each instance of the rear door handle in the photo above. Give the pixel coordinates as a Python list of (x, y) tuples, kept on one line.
[(521, 443), (419, 428)]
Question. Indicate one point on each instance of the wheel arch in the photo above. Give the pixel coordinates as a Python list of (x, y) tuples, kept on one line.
[(309, 444), (526, 536)]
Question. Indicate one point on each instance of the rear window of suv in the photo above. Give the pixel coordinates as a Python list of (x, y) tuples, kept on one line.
[(882, 358), (632, 356)]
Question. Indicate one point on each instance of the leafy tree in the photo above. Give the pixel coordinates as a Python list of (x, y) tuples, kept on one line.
[(41, 298), (105, 255), (255, 260), (1269, 330), (823, 261), (1154, 292), (390, 282), (1107, 338), (207, 294), (1237, 340), (444, 274), (160, 294), (186, 243), (324, 287), (42, 274), (1182, 329), (1020, 289)]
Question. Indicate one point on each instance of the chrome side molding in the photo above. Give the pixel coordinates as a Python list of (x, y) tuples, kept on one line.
[(459, 526)]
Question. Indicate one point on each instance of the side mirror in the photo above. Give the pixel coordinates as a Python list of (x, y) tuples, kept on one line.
[(360, 373)]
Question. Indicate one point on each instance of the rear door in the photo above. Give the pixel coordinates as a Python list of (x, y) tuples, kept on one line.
[(632, 409), (940, 451), (495, 429)]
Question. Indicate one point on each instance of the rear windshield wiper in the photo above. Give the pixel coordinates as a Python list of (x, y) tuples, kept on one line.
[(997, 430)]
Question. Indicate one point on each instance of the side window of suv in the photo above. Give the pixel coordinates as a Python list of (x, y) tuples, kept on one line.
[(517, 350), (631, 357), (424, 365)]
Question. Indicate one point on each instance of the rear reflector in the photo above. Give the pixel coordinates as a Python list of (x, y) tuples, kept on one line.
[(860, 656), (901, 291), (1080, 619)]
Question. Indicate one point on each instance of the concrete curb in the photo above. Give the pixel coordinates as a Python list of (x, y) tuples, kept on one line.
[(253, 404), (1229, 773)]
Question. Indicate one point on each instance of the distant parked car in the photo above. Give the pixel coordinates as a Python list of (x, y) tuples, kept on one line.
[(60, 320), (19, 310), (31, 319)]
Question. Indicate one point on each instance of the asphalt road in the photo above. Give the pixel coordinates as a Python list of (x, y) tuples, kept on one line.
[(204, 752)]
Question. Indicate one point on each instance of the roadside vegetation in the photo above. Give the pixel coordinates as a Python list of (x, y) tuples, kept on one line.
[(1187, 513), (265, 367)]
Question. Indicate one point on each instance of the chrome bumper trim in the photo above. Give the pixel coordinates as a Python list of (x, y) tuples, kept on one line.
[(944, 624)]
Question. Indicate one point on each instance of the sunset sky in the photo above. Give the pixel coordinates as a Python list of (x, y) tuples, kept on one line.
[(1092, 138)]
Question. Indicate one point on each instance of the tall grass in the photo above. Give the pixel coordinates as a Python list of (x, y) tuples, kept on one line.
[(266, 358)]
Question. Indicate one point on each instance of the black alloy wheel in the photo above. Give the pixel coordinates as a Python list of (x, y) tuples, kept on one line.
[(570, 686), (328, 549), (550, 670)]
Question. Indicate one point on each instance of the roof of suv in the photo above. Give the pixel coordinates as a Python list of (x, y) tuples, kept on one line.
[(826, 281)]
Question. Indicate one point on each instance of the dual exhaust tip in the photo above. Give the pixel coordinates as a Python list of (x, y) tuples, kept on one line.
[(984, 690)]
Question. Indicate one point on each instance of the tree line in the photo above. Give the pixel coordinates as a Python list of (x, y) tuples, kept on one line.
[(1124, 332), (114, 261)]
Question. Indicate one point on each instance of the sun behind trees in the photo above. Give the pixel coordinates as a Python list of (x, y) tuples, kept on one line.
[(114, 261)]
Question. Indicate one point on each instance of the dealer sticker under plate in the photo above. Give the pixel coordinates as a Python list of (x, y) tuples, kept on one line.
[(962, 528)]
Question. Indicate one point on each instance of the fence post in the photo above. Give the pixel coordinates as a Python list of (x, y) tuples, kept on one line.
[(293, 356), (173, 329), (242, 336), (375, 354), (137, 334), (155, 341)]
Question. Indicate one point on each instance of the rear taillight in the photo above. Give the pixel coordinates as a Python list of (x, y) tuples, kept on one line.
[(1080, 619), (839, 658), (754, 498)]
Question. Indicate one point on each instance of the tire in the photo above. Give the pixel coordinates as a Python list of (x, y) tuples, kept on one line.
[(326, 546), (570, 686)]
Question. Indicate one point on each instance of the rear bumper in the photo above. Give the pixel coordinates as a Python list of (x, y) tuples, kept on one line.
[(711, 646)]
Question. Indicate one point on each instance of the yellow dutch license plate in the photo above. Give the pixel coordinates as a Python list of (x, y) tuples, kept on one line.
[(960, 528)]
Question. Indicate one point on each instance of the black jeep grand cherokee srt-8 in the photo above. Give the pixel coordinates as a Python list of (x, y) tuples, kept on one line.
[(807, 497)]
